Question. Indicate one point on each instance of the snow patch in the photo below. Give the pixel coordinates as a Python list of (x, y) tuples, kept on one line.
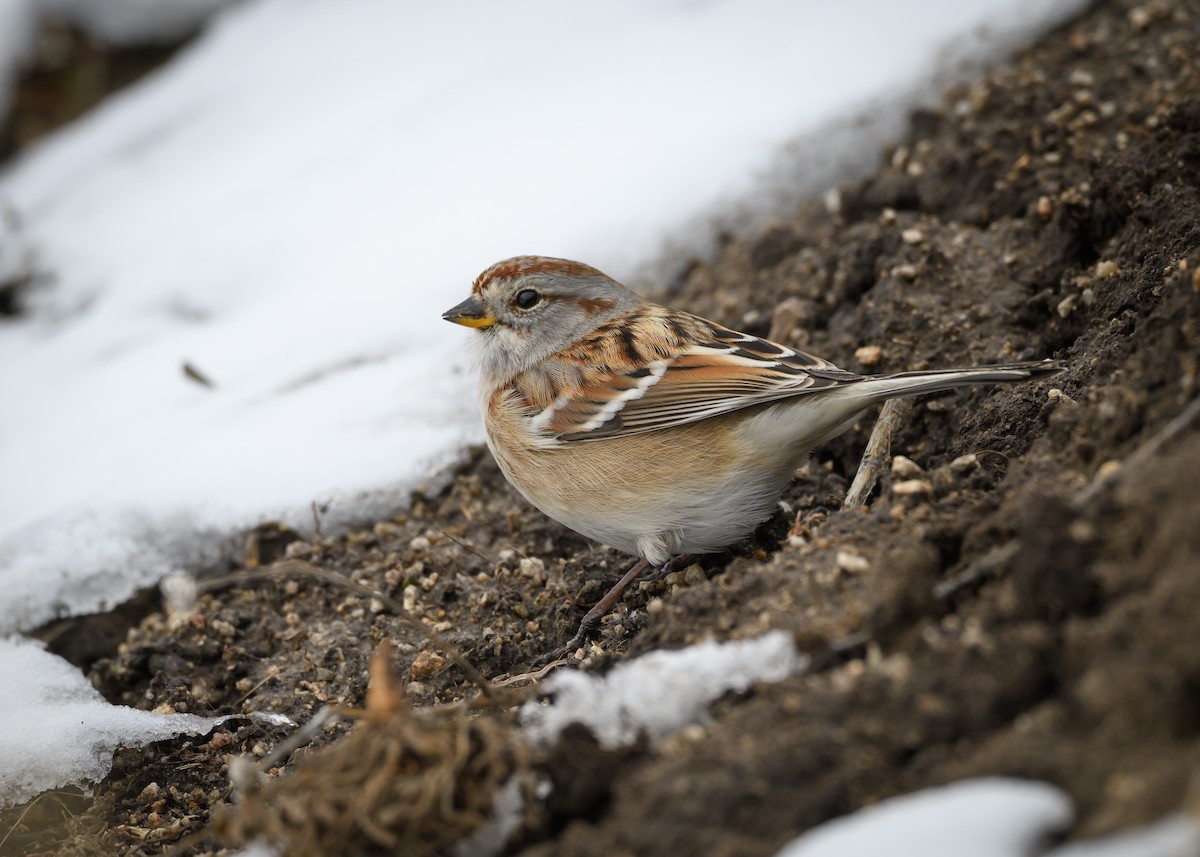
[(657, 693)]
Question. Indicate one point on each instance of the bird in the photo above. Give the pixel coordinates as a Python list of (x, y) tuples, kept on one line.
[(647, 428)]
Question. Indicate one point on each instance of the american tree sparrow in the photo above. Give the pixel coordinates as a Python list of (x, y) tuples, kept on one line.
[(649, 429)]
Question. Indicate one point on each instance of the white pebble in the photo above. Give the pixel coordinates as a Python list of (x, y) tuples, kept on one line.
[(851, 563)]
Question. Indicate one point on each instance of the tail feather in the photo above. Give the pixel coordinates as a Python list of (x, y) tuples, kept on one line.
[(915, 383)]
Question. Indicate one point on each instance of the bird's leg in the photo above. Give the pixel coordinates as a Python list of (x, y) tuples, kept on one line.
[(591, 619), (681, 561), (878, 451)]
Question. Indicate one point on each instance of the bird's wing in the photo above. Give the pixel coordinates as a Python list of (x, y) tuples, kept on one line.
[(668, 369)]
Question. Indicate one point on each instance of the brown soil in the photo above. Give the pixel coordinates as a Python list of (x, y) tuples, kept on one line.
[(1013, 626)]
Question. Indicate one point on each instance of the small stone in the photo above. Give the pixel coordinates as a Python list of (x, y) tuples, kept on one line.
[(868, 355), (1056, 395), (1139, 18), (1082, 77), (1081, 531), (531, 567), (851, 563), (904, 467), (905, 271), (419, 545), (888, 216), (833, 200), (791, 315), (694, 575), (149, 793), (426, 665), (655, 606), (1067, 305), (964, 463), (1045, 207), (913, 235), (1106, 268), (911, 487)]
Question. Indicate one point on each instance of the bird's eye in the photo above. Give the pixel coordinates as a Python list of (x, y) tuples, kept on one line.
[(527, 298)]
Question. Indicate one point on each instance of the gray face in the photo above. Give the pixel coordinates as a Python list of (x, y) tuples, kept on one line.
[(527, 308)]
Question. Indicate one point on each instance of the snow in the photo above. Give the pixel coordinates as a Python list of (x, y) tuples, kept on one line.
[(289, 205), (657, 693), (988, 817), (57, 728), (1173, 836)]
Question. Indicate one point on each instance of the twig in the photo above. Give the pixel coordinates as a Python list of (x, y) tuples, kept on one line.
[(465, 545), (316, 516), (879, 450), (20, 818)]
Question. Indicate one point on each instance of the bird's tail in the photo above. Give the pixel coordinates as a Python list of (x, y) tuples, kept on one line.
[(877, 389)]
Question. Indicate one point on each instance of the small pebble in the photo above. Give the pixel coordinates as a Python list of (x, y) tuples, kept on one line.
[(911, 487), (833, 200), (964, 463), (531, 567), (420, 544), (913, 235), (1081, 532), (904, 467), (426, 665), (1106, 268), (851, 563), (868, 355), (1045, 207)]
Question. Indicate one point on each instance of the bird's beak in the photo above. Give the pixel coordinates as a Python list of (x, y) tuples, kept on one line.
[(470, 313)]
